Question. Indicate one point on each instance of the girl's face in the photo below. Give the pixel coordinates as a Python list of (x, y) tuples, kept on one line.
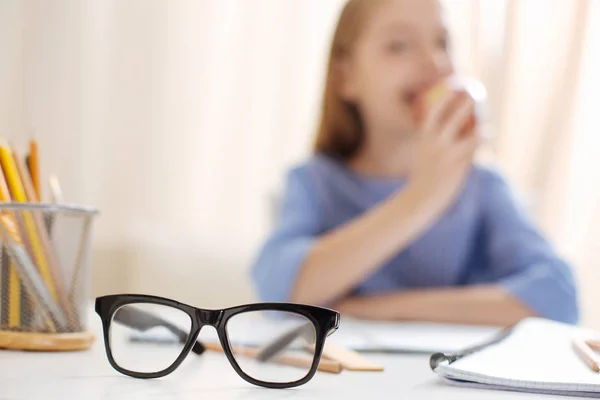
[(402, 49)]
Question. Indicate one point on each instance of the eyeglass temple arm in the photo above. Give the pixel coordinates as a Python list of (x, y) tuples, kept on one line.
[(142, 321), (282, 342)]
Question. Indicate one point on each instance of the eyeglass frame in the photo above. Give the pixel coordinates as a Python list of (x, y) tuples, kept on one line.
[(325, 322)]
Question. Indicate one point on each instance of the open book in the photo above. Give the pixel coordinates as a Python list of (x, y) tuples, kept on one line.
[(535, 356)]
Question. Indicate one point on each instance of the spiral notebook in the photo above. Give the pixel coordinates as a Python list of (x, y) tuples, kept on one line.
[(534, 356)]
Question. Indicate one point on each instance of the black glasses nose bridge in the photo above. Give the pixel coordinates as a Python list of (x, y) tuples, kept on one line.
[(208, 317)]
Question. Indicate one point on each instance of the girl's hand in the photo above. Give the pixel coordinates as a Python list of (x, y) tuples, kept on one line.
[(444, 152)]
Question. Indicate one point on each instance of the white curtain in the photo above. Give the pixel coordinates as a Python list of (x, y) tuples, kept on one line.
[(179, 118), (176, 118), (543, 84)]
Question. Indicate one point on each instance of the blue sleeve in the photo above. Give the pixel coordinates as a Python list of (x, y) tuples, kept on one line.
[(276, 267), (523, 260)]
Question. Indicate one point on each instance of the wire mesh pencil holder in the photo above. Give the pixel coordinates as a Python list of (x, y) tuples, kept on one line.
[(45, 276)]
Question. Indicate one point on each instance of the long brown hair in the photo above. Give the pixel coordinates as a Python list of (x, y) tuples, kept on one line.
[(340, 133)]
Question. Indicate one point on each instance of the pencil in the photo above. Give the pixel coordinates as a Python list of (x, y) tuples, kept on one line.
[(79, 265), (18, 194), (48, 250), (56, 191), (13, 285), (33, 162), (333, 367), (594, 344), (4, 293), (586, 354), (30, 275)]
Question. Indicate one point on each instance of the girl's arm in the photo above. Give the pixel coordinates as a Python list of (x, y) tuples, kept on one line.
[(523, 275), (300, 264), (342, 258), (297, 265), (477, 305), (521, 260)]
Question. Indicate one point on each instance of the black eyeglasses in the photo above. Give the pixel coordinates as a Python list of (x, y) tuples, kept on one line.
[(149, 337)]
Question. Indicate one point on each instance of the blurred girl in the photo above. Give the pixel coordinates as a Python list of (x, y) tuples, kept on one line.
[(390, 219)]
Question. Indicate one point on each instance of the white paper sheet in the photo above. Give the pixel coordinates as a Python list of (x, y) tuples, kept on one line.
[(370, 336), (410, 336)]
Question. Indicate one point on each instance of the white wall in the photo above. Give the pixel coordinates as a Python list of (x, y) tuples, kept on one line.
[(176, 119), (12, 77)]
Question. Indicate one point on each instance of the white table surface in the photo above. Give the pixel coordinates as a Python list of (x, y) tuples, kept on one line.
[(88, 375)]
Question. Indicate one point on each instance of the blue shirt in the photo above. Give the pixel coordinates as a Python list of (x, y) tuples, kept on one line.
[(484, 237)]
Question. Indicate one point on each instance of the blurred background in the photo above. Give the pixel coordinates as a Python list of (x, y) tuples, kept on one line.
[(179, 118)]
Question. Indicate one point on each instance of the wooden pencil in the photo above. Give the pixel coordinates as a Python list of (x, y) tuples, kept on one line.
[(333, 367), (9, 232), (586, 354), (12, 284), (594, 344), (18, 195), (4, 289), (57, 276), (55, 190), (33, 162)]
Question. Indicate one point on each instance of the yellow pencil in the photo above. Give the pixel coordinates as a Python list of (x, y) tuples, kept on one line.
[(18, 194), (14, 243), (34, 169), (14, 286)]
